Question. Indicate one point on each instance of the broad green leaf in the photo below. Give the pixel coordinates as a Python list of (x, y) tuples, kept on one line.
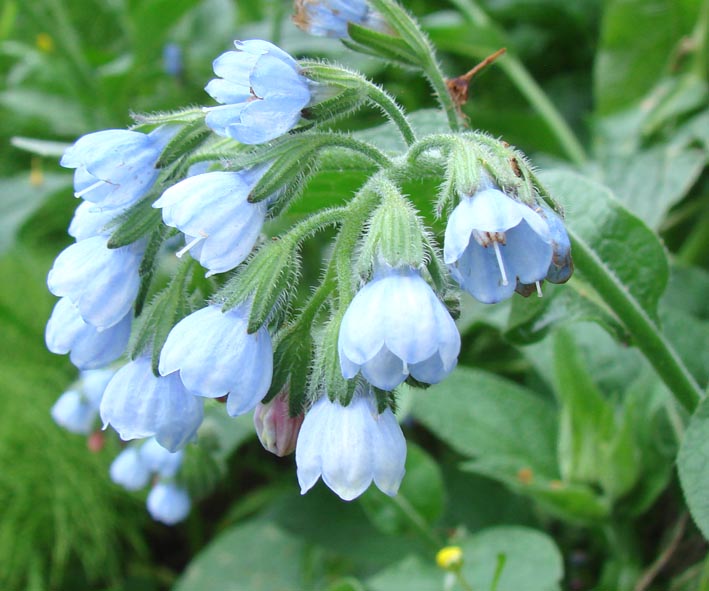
[(420, 497), (693, 466), (258, 556), (532, 562), (626, 248), (637, 38), (481, 415), (21, 196), (59, 115)]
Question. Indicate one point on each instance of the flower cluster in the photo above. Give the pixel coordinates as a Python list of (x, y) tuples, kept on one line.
[(137, 465), (321, 372)]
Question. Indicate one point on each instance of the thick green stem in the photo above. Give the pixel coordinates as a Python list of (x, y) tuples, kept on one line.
[(646, 335), (336, 140)]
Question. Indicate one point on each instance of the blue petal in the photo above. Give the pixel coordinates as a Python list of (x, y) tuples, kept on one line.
[(226, 91), (385, 370), (348, 449), (90, 348), (138, 405), (102, 282), (527, 255), (265, 120), (390, 453), (478, 273), (74, 413), (91, 220), (129, 471), (168, 503), (160, 460), (308, 450), (216, 356)]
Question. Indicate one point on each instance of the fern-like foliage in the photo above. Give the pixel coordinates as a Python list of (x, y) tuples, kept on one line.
[(63, 524)]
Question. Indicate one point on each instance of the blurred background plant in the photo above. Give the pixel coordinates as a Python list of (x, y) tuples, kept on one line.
[(552, 446)]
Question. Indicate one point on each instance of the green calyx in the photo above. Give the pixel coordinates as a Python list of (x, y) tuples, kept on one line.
[(395, 234)]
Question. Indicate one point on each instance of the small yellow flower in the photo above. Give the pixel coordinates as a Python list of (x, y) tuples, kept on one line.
[(45, 42), (450, 558)]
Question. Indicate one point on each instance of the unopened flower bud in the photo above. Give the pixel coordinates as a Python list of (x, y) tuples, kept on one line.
[(276, 429)]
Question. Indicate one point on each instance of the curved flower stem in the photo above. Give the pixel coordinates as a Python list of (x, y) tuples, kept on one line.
[(653, 344), (521, 77), (339, 140), (392, 110), (312, 224)]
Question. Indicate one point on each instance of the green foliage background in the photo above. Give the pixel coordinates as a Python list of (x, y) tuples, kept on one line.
[(553, 445)]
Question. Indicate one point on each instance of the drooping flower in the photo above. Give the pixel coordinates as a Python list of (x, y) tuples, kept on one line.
[(160, 460), (395, 327), (216, 356), (350, 446), (493, 241), (137, 404), (329, 18), (262, 92), (116, 167), (76, 410), (88, 347), (276, 429), (101, 282), (168, 503), (74, 413), (213, 211), (129, 470)]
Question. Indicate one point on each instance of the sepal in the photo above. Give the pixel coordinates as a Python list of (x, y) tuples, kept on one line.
[(166, 309), (395, 233), (292, 359), (382, 45), (138, 221), (187, 140), (267, 279), (326, 377)]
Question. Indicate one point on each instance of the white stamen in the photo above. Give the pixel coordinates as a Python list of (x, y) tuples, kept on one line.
[(539, 289), (88, 189), (500, 264), (190, 245)]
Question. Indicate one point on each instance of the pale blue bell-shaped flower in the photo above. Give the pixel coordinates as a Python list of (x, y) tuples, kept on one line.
[(116, 167), (129, 470), (92, 220), (160, 460), (395, 327), (101, 282), (492, 242), (213, 211), (137, 404), (215, 356), (168, 503), (350, 446), (74, 412), (88, 347), (262, 92), (329, 18)]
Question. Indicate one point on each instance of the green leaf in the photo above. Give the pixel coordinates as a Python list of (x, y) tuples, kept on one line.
[(532, 562), (693, 466), (481, 415), (258, 556), (626, 264), (419, 501), (637, 37), (627, 248), (20, 197)]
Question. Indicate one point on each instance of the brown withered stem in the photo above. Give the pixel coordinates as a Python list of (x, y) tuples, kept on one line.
[(458, 87)]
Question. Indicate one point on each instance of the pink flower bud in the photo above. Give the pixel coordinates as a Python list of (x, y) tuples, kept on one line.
[(276, 430)]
